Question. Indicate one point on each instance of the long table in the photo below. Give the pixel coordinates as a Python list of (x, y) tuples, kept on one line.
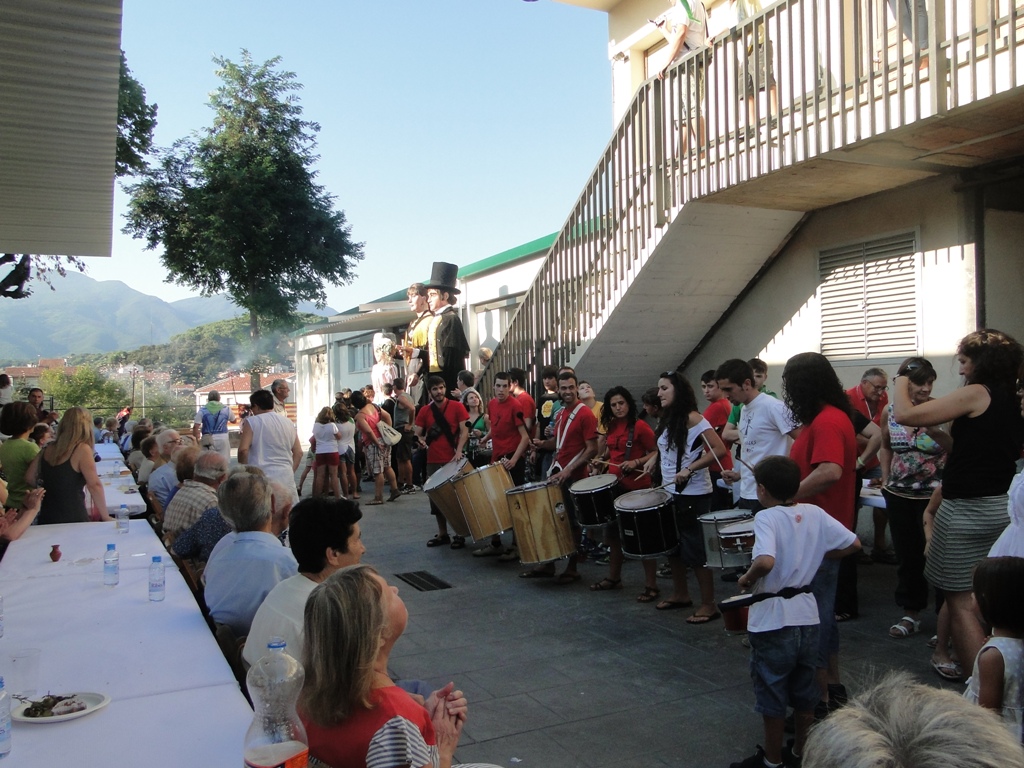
[(174, 700)]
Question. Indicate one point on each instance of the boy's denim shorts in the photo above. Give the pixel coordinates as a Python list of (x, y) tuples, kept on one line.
[(782, 666)]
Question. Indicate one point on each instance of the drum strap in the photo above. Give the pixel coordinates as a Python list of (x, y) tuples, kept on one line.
[(629, 441), (785, 593), (560, 438), (442, 423)]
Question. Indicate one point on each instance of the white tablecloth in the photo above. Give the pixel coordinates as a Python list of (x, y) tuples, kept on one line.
[(174, 698), (113, 468), (112, 640), (122, 490), (83, 545), (203, 728), (108, 451)]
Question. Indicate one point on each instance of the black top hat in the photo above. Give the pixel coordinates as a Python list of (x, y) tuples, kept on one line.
[(444, 276)]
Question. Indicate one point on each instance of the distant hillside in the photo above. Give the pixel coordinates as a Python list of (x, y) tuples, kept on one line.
[(88, 316)]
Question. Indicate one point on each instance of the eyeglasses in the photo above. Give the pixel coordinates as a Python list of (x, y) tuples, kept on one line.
[(879, 387)]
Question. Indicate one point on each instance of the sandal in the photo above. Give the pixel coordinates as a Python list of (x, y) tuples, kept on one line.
[(648, 595), (900, 630), (395, 494), (672, 605), (933, 641), (568, 577), (948, 670), (845, 616), (439, 540), (703, 618), (458, 542), (375, 503), (606, 585)]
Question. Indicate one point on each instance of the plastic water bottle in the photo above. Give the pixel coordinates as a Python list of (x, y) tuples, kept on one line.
[(157, 580), (276, 736), (111, 567), (122, 519), (5, 721)]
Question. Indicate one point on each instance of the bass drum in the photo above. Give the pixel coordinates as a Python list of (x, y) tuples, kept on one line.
[(481, 494), (441, 491), (541, 522), (647, 526), (594, 498)]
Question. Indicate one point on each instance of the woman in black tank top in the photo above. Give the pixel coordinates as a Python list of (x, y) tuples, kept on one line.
[(969, 511)]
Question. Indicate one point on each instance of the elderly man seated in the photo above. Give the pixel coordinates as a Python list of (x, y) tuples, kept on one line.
[(325, 537), (199, 539), (163, 482), (248, 563), (197, 494)]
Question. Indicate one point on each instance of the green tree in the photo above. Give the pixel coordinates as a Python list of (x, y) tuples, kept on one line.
[(135, 123), (86, 387), (237, 208)]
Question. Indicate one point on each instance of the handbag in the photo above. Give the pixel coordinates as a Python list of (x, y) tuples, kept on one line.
[(389, 434)]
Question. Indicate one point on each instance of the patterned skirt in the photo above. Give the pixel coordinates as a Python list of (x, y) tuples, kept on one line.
[(963, 532)]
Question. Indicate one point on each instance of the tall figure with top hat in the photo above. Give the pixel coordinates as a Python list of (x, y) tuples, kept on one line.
[(447, 347)]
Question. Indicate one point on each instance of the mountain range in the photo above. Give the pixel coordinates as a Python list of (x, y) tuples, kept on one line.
[(84, 315)]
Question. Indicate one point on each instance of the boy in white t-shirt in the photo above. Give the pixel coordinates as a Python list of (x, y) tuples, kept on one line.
[(790, 542)]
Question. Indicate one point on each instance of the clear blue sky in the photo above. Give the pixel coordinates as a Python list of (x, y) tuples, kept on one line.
[(450, 130)]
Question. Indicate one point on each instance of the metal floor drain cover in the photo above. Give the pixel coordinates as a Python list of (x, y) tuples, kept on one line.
[(423, 581)]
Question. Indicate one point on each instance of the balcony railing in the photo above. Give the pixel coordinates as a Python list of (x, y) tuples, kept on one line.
[(843, 72)]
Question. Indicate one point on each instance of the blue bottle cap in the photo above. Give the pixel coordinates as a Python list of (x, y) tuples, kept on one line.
[(110, 547), (156, 558)]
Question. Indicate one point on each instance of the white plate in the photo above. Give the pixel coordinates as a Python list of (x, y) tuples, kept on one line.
[(92, 701)]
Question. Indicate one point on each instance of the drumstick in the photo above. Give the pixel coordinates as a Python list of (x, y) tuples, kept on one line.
[(741, 461), (712, 452)]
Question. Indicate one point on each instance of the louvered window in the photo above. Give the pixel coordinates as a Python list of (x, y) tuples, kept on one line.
[(869, 305)]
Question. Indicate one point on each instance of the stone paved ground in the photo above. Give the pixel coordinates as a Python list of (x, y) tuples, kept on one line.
[(561, 677)]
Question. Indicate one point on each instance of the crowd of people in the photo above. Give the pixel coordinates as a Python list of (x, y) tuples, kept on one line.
[(274, 566)]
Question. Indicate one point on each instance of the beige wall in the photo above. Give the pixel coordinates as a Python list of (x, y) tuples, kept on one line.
[(780, 317), (1004, 271)]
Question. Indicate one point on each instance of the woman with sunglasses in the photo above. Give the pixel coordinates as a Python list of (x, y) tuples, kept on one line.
[(687, 446), (968, 512)]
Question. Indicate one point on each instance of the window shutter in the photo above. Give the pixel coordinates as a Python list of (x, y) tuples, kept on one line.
[(868, 296)]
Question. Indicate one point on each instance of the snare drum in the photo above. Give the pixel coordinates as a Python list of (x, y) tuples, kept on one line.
[(734, 613), (594, 498), (481, 494), (647, 524), (734, 554), (541, 522), (441, 491)]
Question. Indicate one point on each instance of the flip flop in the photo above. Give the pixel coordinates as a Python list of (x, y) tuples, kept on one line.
[(698, 618), (536, 574), (606, 585), (648, 595), (567, 578), (375, 503), (948, 670), (672, 605), (437, 541)]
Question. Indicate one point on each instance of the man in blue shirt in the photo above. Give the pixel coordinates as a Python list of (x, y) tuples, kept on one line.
[(247, 564)]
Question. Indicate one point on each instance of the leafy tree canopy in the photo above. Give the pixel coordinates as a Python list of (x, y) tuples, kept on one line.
[(237, 208), (86, 387)]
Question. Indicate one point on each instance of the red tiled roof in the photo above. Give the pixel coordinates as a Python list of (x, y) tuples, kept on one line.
[(240, 384)]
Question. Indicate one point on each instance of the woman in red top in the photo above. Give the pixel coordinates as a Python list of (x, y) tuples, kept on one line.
[(620, 423), (355, 716)]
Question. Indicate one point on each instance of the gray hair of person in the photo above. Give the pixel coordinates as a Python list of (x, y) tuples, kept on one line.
[(210, 465), (213, 395), (871, 373), (244, 501), (281, 492), (900, 723), (344, 626), (276, 384), (164, 437)]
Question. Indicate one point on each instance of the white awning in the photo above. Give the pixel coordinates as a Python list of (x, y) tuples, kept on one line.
[(381, 320), (59, 73)]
